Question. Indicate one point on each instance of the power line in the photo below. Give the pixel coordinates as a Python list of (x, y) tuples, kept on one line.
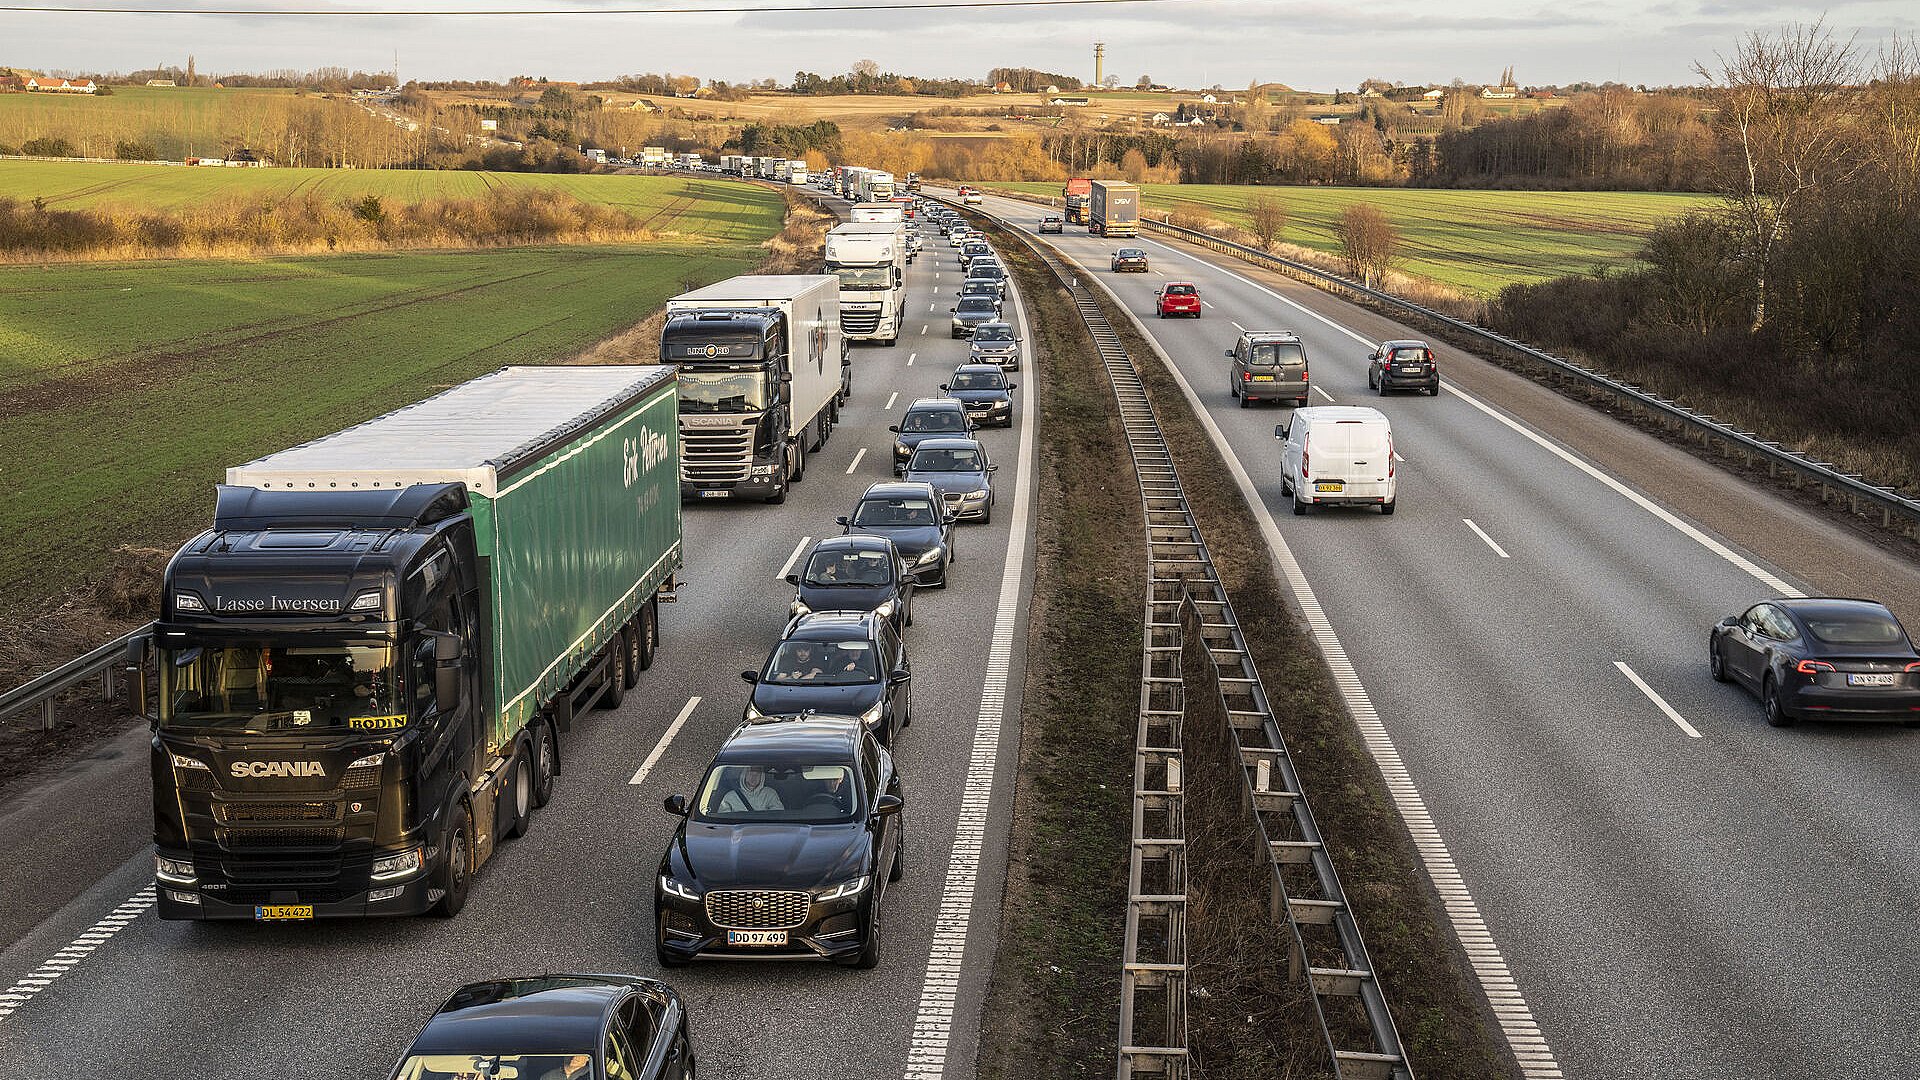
[(715, 9)]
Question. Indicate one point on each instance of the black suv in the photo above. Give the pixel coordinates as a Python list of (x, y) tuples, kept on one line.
[(1129, 259), (927, 418), (787, 848), (843, 662), (854, 573), (1403, 365), (548, 1025)]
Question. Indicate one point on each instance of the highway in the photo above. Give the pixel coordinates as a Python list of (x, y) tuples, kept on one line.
[(1677, 889), (98, 988)]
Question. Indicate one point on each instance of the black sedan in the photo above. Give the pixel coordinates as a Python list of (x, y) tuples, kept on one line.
[(927, 418), (787, 849), (569, 1027), (840, 662), (1818, 658), (1129, 258), (914, 517), (985, 391), (854, 573), (972, 311)]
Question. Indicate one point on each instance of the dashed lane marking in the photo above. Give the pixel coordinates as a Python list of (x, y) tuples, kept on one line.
[(1323, 393), (28, 986), (1482, 534), (862, 452), (1653, 696), (891, 398), (660, 748), (911, 357), (781, 574)]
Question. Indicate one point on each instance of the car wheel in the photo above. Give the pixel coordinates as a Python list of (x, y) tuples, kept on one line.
[(1716, 664), (456, 869), (1777, 715), (1233, 388), (1387, 507), (616, 690), (1299, 505), (869, 957), (1434, 390), (1286, 488), (1245, 401), (1380, 388), (899, 867), (986, 518), (1299, 403), (546, 762), (906, 613)]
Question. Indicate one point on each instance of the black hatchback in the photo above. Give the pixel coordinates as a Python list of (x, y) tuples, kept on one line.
[(569, 1027), (786, 849), (1819, 658), (854, 573), (928, 418), (841, 662)]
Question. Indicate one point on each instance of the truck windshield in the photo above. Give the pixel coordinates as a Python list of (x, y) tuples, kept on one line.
[(257, 688), (866, 277), (722, 391)]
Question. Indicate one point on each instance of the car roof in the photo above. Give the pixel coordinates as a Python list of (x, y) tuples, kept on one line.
[(1339, 413), (855, 542), (550, 1014), (1826, 605), (950, 442), (1269, 335), (993, 325), (1399, 343), (978, 369), (1171, 284), (807, 733), (903, 489), (940, 403)]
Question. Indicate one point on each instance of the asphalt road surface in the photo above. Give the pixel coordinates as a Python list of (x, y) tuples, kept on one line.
[(1732, 904), (125, 996)]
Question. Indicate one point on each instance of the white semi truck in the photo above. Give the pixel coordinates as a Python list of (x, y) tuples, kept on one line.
[(797, 171), (871, 261), (875, 186), (763, 369), (883, 212)]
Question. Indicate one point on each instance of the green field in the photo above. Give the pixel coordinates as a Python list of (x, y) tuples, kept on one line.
[(1473, 241), (668, 205), (128, 387)]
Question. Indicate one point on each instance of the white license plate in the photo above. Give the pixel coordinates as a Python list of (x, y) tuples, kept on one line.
[(1870, 680), (1413, 371), (715, 494), (756, 937), (1330, 485)]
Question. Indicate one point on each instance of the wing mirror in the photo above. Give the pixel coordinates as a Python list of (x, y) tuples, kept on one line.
[(1229, 354), (842, 520), (895, 428), (1012, 386), (943, 388), (675, 805), (993, 468), (950, 519), (899, 676), (751, 676), (1279, 431), (887, 805), (793, 579), (955, 309)]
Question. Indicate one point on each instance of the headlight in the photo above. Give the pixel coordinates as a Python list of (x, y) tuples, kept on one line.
[(928, 557), (885, 610), (853, 887), (872, 715), (389, 867), (674, 888), (183, 762), (369, 760), (902, 449), (174, 871), (975, 496)]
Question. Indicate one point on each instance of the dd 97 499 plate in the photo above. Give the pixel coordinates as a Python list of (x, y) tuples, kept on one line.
[(756, 937)]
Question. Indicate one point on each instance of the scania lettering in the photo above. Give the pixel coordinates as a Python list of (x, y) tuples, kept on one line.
[(368, 664), (763, 368), (871, 261)]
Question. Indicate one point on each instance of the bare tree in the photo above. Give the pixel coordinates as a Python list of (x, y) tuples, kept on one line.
[(1781, 100), (1267, 218), (1110, 81), (866, 68), (1367, 242)]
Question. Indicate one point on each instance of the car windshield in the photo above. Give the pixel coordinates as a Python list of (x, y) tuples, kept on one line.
[(1274, 353), (978, 380), (1132, 253), (1179, 290), (983, 269), (822, 663), (862, 568), (722, 391), (979, 288), (945, 461), (883, 513), (260, 688), (1863, 629), (745, 793), (933, 421), (993, 333), (497, 1067), (976, 305)]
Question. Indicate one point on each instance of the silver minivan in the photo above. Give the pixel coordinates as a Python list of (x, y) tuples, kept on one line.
[(1268, 365)]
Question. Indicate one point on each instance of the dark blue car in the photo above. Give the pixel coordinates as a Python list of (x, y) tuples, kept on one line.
[(854, 573), (841, 662)]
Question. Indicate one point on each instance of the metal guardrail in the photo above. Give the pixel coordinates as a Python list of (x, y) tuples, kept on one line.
[(108, 663), (1184, 589), (1897, 512)]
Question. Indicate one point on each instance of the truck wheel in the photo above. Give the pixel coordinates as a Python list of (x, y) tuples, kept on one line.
[(1386, 507), (631, 635), (799, 460), (456, 869), (822, 428), (893, 341), (546, 762), (616, 689), (649, 633), (520, 794), (780, 496)]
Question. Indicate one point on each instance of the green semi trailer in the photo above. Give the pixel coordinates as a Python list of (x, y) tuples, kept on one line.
[(369, 662)]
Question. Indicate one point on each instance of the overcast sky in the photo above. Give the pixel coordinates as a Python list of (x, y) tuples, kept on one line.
[(1312, 44)]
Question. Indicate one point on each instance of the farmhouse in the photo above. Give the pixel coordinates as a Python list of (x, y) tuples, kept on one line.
[(1003, 87), (1075, 101), (1502, 93), (1434, 95), (161, 82), (60, 86)]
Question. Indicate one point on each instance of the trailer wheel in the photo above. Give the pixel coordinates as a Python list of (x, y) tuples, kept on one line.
[(546, 762), (616, 690), (456, 869), (822, 427), (649, 635)]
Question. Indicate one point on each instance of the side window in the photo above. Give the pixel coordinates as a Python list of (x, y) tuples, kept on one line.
[(637, 1021), (621, 1064), (435, 612), (1780, 625), (890, 648), (870, 765), (1754, 620)]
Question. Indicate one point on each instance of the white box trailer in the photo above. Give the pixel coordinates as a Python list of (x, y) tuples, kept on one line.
[(762, 365), (870, 259)]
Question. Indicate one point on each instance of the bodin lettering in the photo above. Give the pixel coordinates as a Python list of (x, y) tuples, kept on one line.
[(261, 769)]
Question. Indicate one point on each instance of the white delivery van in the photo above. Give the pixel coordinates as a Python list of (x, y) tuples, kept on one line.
[(1339, 455)]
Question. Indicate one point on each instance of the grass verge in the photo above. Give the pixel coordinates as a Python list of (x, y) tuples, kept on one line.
[(1054, 994)]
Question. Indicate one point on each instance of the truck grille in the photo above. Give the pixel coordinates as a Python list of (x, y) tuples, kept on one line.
[(230, 813), (715, 455), (285, 837), (757, 909), (859, 322)]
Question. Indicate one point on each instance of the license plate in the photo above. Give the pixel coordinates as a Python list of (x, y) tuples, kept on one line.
[(715, 494), (1263, 378), (282, 912), (756, 937), (1870, 680), (1412, 371), (1330, 485)]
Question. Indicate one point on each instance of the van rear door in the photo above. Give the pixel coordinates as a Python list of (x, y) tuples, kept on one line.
[(1356, 451)]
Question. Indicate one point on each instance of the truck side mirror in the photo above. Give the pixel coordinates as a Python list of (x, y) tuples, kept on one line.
[(447, 648), (786, 376), (1279, 431)]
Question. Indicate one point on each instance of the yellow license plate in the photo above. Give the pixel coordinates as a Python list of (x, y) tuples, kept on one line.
[(1263, 378), (282, 912), (1335, 485)]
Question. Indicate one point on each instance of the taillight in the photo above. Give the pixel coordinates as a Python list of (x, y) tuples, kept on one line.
[(1303, 463), (1246, 376), (1390, 458), (1303, 374), (1913, 667), (1808, 667)]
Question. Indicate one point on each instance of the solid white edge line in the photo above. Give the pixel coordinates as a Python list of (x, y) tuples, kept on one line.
[(891, 398), (1482, 534), (940, 987), (1654, 697), (659, 748), (1489, 964), (781, 574), (65, 959), (1558, 451), (858, 454)]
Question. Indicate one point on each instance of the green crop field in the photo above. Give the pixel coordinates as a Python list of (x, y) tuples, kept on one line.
[(128, 387), (711, 209), (1474, 241)]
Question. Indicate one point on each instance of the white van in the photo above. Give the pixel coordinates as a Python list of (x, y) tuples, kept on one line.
[(1338, 455)]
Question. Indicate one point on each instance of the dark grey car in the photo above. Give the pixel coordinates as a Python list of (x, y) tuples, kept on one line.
[(960, 471), (854, 573), (915, 518), (971, 312), (927, 418), (1268, 365), (985, 391)]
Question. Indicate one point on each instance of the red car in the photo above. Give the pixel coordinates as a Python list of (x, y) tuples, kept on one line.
[(1178, 298)]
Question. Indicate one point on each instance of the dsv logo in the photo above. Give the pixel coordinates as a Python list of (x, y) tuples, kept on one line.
[(641, 454), (260, 769)]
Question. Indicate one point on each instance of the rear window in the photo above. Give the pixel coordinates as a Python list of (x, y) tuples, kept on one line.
[(1413, 354), (1857, 630), (1272, 353), (1179, 290)]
